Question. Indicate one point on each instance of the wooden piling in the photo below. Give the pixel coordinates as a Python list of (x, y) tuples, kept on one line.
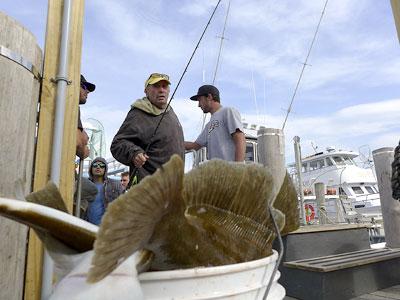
[(383, 159), (271, 153), (19, 93), (319, 188)]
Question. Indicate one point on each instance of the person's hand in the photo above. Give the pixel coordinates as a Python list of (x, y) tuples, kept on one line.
[(140, 159)]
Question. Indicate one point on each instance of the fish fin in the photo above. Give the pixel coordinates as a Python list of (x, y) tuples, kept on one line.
[(59, 231), (287, 202), (243, 189), (48, 196), (129, 221), (230, 234)]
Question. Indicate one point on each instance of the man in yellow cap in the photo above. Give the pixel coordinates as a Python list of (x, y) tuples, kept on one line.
[(134, 144)]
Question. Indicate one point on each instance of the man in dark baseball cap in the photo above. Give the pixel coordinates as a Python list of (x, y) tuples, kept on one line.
[(223, 135), (87, 85), (82, 149), (205, 90)]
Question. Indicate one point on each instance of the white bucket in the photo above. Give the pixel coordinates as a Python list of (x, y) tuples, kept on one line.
[(238, 281)]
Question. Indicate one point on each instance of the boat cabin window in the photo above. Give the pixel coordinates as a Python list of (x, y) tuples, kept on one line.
[(250, 153), (317, 164), (328, 162), (338, 160), (304, 167), (313, 165), (369, 189), (357, 190)]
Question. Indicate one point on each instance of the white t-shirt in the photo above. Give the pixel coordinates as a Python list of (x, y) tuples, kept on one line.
[(216, 135)]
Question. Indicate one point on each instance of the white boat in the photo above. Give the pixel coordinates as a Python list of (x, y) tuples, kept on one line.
[(354, 188)]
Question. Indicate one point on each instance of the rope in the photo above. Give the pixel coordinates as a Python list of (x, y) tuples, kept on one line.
[(395, 174), (281, 248)]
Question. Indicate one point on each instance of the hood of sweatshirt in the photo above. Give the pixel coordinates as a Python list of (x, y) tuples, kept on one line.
[(145, 105)]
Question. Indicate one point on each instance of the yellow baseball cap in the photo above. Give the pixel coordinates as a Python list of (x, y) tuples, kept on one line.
[(156, 77)]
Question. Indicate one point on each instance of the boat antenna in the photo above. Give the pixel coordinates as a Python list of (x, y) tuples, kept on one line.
[(304, 66), (222, 37), (173, 94), (265, 103), (255, 94)]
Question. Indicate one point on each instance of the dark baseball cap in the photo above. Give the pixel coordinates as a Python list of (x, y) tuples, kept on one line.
[(90, 86), (204, 90)]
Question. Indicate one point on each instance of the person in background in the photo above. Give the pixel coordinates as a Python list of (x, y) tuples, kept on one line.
[(223, 135), (82, 139), (135, 144), (88, 189), (107, 190), (124, 180)]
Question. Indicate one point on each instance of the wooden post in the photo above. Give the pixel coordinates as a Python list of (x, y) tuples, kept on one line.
[(383, 159), (271, 153), (19, 94), (46, 124), (319, 188), (297, 154), (396, 13)]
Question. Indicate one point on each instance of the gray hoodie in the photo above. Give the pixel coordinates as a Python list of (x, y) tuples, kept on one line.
[(112, 187)]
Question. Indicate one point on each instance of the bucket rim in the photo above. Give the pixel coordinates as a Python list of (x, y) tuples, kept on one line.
[(207, 271)]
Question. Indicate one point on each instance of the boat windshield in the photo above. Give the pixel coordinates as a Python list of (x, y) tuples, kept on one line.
[(339, 160), (348, 160), (343, 160)]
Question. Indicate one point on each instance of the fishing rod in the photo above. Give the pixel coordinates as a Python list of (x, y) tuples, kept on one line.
[(304, 66), (134, 173)]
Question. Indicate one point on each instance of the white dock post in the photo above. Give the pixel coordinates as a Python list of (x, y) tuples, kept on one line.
[(320, 197), (297, 153), (383, 157), (271, 153)]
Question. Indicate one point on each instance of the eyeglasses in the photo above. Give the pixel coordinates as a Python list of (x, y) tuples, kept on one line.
[(98, 165), (84, 87)]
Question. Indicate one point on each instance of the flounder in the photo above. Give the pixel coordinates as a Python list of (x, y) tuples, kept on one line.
[(214, 215)]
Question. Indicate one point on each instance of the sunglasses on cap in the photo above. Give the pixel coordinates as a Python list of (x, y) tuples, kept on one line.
[(159, 75), (98, 165)]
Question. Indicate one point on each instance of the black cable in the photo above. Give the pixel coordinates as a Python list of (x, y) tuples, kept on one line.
[(173, 94), (278, 262)]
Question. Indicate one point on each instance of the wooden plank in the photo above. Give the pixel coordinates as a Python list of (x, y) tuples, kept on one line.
[(389, 295), (46, 121), (343, 261), (19, 93), (338, 256), (385, 294), (323, 228), (370, 297)]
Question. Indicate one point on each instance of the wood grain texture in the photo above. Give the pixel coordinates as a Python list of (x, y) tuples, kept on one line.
[(19, 92), (46, 125)]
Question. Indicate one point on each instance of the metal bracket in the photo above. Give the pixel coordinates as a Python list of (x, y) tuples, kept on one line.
[(15, 57), (60, 78)]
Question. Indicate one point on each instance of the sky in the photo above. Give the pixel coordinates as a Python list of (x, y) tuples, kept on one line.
[(348, 97)]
